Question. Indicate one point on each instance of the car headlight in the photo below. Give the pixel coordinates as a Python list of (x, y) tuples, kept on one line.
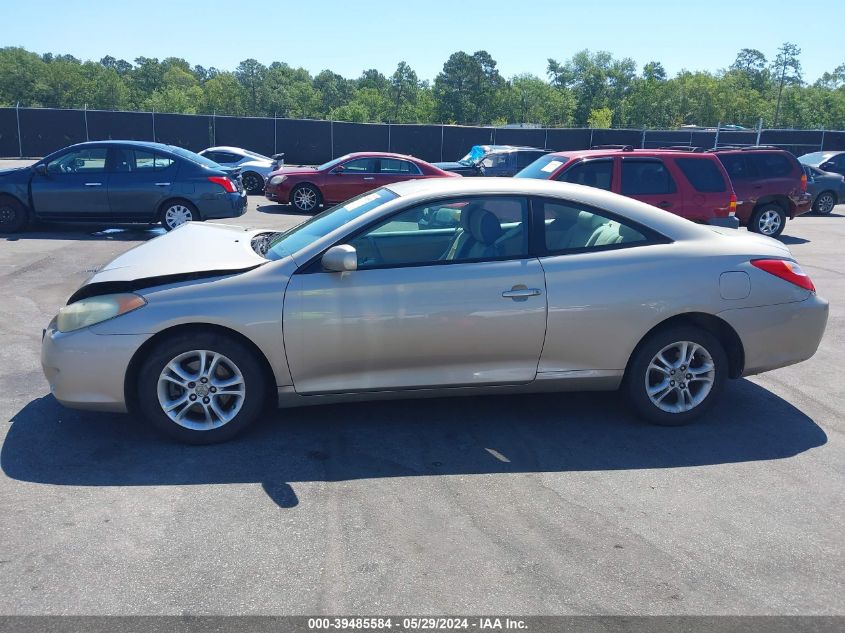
[(95, 310), (277, 180)]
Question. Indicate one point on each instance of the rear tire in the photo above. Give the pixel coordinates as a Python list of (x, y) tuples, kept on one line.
[(306, 198), (675, 375), (768, 220), (201, 387), (824, 203), (14, 217), (253, 183), (176, 213)]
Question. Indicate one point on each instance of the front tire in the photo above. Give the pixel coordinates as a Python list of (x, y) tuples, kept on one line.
[(675, 375), (306, 198), (824, 203), (201, 388), (176, 213), (253, 183), (13, 216), (768, 220)]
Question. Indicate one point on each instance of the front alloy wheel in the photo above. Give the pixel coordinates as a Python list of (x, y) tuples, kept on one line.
[(306, 198), (201, 387)]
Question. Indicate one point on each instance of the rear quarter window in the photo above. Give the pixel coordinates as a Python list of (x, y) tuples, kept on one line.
[(702, 174), (771, 165)]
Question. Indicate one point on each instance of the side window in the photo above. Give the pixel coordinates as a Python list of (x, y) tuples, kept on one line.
[(163, 162), (397, 167), (447, 231), (702, 174), (571, 227), (592, 173), (360, 166), (81, 161), (771, 165), (735, 165), (646, 177), (144, 161)]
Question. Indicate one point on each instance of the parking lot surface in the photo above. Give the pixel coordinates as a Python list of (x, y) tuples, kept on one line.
[(540, 504)]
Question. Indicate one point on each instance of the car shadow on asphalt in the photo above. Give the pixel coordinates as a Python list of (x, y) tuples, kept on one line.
[(50, 444), (789, 239), (89, 232)]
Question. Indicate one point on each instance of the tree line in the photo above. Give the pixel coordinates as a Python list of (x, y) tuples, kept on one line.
[(592, 89)]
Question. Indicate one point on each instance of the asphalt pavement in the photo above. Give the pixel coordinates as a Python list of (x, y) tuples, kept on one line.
[(541, 504)]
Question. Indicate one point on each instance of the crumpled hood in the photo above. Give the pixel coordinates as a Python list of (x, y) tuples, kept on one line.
[(191, 251)]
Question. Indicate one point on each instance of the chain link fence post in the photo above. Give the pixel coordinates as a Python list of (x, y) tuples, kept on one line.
[(85, 116), (154, 125)]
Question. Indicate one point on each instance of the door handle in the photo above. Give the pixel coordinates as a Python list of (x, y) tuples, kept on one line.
[(369, 178), (93, 184), (521, 293), (162, 184), (664, 203)]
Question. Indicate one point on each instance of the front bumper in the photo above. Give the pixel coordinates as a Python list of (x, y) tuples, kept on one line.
[(87, 370), (277, 193), (779, 335), (731, 222)]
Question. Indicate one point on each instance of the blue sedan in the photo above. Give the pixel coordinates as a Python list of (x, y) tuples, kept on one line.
[(120, 181)]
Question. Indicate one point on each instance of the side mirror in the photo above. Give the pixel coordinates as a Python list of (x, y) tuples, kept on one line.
[(340, 258), (337, 171), (826, 166), (41, 169)]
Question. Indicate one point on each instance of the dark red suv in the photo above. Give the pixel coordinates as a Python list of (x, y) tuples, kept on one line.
[(770, 186), (693, 185)]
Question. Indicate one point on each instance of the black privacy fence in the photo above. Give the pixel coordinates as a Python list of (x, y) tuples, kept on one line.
[(36, 132)]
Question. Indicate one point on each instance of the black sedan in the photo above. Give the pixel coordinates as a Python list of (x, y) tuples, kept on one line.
[(120, 181)]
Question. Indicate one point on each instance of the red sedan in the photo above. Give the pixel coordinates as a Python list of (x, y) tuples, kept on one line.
[(306, 188)]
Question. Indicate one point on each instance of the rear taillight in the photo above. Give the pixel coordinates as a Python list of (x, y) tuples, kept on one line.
[(803, 182), (732, 205), (225, 182), (786, 270)]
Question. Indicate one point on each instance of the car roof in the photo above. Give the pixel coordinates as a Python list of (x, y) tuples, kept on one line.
[(381, 155), (662, 221), (224, 148), (586, 153), (119, 142)]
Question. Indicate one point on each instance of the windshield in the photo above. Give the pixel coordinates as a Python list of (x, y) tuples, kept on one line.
[(321, 225), (814, 157), (332, 163), (194, 158), (475, 155), (543, 167)]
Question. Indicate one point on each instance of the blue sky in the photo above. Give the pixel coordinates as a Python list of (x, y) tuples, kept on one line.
[(349, 37)]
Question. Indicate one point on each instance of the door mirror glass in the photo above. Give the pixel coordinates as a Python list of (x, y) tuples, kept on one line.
[(340, 259), (41, 169), (337, 171)]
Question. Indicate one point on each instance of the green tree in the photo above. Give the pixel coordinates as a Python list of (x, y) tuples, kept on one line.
[(600, 118), (251, 75), (223, 94), (787, 71)]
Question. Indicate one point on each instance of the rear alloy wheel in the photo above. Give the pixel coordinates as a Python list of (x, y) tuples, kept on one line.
[(305, 198), (768, 220), (253, 183), (675, 375), (824, 203), (13, 216), (202, 388), (177, 213)]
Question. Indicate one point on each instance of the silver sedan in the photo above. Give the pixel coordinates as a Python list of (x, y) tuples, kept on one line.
[(432, 288), (255, 168)]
